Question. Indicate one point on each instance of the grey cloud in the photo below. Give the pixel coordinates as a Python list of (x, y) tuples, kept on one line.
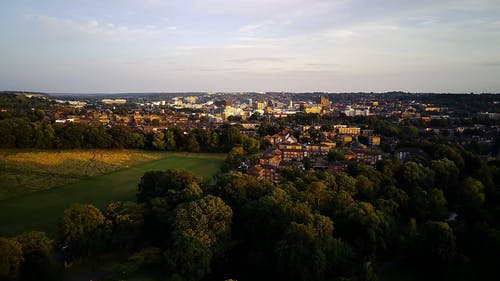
[(203, 69), (150, 60), (491, 63), (290, 73), (258, 59), (323, 64)]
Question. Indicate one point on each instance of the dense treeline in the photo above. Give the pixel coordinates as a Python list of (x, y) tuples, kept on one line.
[(439, 217), (21, 106), (464, 104), (408, 133), (385, 123), (22, 133)]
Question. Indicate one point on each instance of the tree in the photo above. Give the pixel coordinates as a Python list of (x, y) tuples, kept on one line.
[(83, 229), (345, 182), (436, 245), (170, 141), (235, 156), (265, 128), (320, 193), (368, 272), (446, 173), (162, 192), (96, 136), (175, 185), (69, 135), (363, 226), (47, 140), (237, 188), (120, 135), (7, 138), (399, 197), (365, 188), (127, 221), (136, 140), (251, 145), (145, 258), (437, 205), (303, 251), (231, 136), (208, 218), (188, 258), (335, 156), (470, 199), (415, 175), (266, 219), (11, 256), (419, 204), (38, 137), (124, 137), (23, 133), (409, 132), (201, 230), (158, 140), (35, 243), (37, 250), (192, 144), (214, 142)]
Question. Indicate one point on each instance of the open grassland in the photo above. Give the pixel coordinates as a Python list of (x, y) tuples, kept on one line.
[(24, 171), (41, 210)]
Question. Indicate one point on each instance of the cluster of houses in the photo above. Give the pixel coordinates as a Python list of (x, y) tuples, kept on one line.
[(286, 152)]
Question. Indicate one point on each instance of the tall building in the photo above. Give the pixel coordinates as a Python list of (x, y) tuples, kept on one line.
[(324, 102), (247, 101), (222, 103), (258, 105), (349, 130)]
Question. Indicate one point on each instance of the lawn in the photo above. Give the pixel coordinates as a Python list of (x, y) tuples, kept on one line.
[(41, 210), (25, 171)]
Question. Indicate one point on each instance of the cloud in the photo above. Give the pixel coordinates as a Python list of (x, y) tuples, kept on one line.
[(323, 64), (274, 72), (490, 63), (255, 28), (92, 28), (150, 61), (258, 59), (250, 28), (297, 39)]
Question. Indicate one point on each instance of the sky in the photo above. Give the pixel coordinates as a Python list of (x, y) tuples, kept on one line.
[(111, 46)]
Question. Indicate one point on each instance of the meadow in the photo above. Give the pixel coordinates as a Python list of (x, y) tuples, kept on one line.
[(25, 171), (41, 184)]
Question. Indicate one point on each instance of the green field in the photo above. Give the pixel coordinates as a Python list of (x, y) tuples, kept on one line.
[(26, 170), (41, 210)]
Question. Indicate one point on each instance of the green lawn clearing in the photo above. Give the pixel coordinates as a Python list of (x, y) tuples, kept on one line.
[(27, 170), (41, 210)]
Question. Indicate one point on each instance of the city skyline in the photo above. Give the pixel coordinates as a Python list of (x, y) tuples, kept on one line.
[(263, 45)]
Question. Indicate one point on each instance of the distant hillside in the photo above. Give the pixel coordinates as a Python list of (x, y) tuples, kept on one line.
[(27, 94)]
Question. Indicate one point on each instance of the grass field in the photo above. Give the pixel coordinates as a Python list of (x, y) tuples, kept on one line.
[(25, 171), (41, 210)]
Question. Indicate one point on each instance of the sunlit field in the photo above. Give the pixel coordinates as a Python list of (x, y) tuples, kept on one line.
[(38, 186), (30, 171)]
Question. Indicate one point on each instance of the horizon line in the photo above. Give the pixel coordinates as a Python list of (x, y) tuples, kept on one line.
[(243, 92)]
